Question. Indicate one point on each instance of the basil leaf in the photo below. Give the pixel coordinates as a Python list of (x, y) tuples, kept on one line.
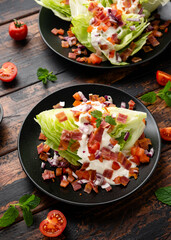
[(27, 215), (31, 201), (9, 217), (98, 122), (149, 97), (42, 72), (52, 77), (96, 114), (167, 98), (44, 75), (25, 198), (164, 195), (110, 120)]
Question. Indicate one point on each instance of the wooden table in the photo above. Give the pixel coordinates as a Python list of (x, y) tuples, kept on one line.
[(140, 216)]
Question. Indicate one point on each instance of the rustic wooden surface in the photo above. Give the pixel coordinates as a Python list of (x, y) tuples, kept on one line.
[(140, 216)]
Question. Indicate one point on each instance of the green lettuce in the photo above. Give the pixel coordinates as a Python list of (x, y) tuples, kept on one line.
[(60, 9)]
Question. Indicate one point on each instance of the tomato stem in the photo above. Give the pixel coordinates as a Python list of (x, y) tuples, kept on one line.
[(18, 24)]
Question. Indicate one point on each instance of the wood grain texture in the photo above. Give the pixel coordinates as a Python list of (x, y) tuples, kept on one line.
[(16, 9)]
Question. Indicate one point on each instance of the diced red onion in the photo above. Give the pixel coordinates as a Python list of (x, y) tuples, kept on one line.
[(92, 21), (133, 19), (141, 11), (150, 153), (123, 105), (126, 136), (82, 96), (63, 163), (110, 146), (97, 154), (53, 162), (82, 181), (74, 175), (132, 28), (81, 46), (99, 179), (106, 185), (108, 98), (43, 165), (69, 40), (64, 177), (149, 28), (118, 58), (142, 15)]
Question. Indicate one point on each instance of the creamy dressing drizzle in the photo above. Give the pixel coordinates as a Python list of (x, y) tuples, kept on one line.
[(83, 152)]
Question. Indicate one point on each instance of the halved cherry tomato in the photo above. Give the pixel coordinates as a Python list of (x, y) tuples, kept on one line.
[(166, 133), (8, 72), (18, 30), (162, 77), (54, 224)]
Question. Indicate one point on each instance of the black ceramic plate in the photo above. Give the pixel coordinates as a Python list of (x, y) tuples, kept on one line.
[(28, 141), (1, 113), (48, 21)]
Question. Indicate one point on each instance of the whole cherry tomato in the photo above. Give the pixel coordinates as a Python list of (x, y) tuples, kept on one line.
[(18, 30), (166, 133), (8, 72), (54, 224)]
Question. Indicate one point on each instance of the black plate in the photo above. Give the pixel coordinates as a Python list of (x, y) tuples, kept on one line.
[(1, 113), (48, 21), (28, 141)]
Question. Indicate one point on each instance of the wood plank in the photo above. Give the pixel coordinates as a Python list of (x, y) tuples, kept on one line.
[(16, 9), (141, 216)]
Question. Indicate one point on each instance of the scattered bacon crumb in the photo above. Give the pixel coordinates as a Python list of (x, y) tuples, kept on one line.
[(136, 59), (72, 55), (154, 42), (56, 31), (61, 116), (65, 44), (147, 48)]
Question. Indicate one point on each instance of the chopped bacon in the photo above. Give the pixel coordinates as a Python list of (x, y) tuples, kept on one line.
[(58, 105), (103, 46), (85, 165), (104, 124), (88, 187), (76, 115), (117, 180), (153, 40), (72, 55), (144, 158), (108, 188), (135, 159), (137, 151), (70, 33), (166, 24), (76, 103), (144, 143), (101, 99), (120, 157), (93, 97), (127, 52), (77, 96), (40, 148), (113, 141), (64, 44), (121, 180), (112, 54), (90, 29), (68, 171), (58, 171), (74, 146), (131, 104), (61, 116), (63, 145), (108, 173), (56, 31), (64, 183), (82, 174), (115, 165), (92, 175), (114, 156), (136, 59), (157, 33), (66, 135), (133, 172), (122, 118), (127, 3), (95, 187), (94, 59), (43, 156), (147, 48), (48, 174), (42, 136), (126, 163), (106, 153), (46, 148), (76, 134), (76, 186), (70, 178)]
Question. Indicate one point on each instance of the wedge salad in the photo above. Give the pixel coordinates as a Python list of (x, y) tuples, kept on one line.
[(111, 29), (95, 144)]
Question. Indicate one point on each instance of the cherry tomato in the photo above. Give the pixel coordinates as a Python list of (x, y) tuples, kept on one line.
[(54, 224), (8, 72), (18, 30), (162, 77), (166, 133)]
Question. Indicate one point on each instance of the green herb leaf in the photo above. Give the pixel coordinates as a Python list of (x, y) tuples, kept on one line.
[(167, 98), (96, 114), (44, 75), (110, 120), (42, 72), (163, 91), (27, 215), (31, 201), (164, 195), (52, 77), (149, 97), (98, 122), (9, 217)]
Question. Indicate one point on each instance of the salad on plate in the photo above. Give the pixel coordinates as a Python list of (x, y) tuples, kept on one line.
[(95, 144), (111, 30)]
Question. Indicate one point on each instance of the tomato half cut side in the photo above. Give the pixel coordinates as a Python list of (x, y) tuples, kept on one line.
[(162, 77), (54, 224), (166, 133), (8, 72)]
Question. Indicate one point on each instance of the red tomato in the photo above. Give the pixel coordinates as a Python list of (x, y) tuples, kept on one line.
[(8, 72), (18, 30), (54, 224), (166, 133), (162, 77)]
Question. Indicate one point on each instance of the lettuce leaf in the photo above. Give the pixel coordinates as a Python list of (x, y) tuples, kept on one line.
[(151, 5)]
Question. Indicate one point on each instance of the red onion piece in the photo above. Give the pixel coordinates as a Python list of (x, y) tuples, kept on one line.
[(106, 185), (43, 165), (74, 175), (132, 28), (82, 181), (133, 19), (53, 162), (97, 154), (123, 105), (126, 136), (150, 153), (82, 96)]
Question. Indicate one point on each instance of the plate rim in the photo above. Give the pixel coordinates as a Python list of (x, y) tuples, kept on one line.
[(1, 113), (91, 65), (97, 203)]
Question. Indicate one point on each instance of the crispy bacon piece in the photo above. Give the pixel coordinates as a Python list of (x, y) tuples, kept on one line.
[(40, 148), (127, 52), (121, 180), (75, 146), (88, 187), (127, 3), (106, 153), (76, 134), (165, 25), (108, 173), (93, 97), (131, 104), (61, 116), (122, 118), (70, 178), (56, 31), (72, 55), (115, 165), (85, 165), (43, 156), (63, 145), (58, 105), (144, 143), (58, 171), (76, 186), (64, 44), (64, 183), (66, 135), (157, 33), (82, 174), (126, 163), (108, 188), (101, 99), (46, 148), (76, 115), (153, 40), (133, 172), (42, 136), (136, 160), (48, 174), (147, 48), (136, 59)]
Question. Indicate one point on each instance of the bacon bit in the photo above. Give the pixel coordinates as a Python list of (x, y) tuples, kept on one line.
[(144, 143), (63, 145), (90, 29), (76, 134), (131, 104), (82, 174), (115, 165), (46, 148), (103, 28), (147, 48), (76, 115), (93, 97), (133, 172), (101, 99), (108, 173), (144, 159), (64, 44), (103, 47), (91, 157), (153, 40), (66, 135), (76, 186), (88, 187), (61, 116), (43, 156), (76, 103), (104, 124), (166, 24), (57, 106), (127, 52), (113, 141), (106, 153), (122, 118), (68, 170), (54, 31), (40, 148), (95, 187), (135, 159), (42, 136), (117, 180), (157, 33), (58, 171), (70, 178), (108, 188), (85, 165), (61, 37), (70, 33), (64, 183), (94, 59), (72, 55), (136, 59), (124, 180), (48, 174), (126, 163), (74, 146), (137, 151), (127, 3), (112, 54), (81, 59), (120, 157), (77, 96)]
